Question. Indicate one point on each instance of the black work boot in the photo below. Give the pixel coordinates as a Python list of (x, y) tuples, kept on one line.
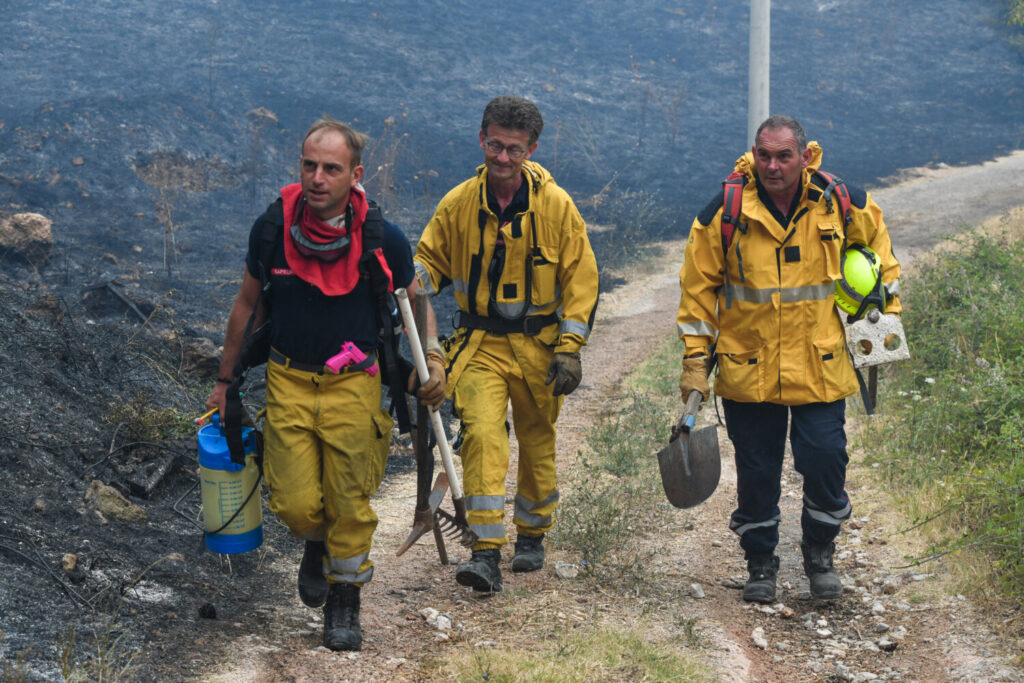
[(529, 555), (760, 586), (341, 618), (481, 571), (312, 583), (825, 583)]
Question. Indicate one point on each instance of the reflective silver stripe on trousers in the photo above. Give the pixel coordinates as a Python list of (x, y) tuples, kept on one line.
[(425, 284), (787, 295), (524, 510), (700, 327), (485, 502), (831, 518), (488, 530), (744, 528), (893, 287), (347, 570), (574, 327)]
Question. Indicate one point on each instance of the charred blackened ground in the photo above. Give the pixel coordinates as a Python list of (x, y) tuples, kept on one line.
[(102, 367), (637, 97)]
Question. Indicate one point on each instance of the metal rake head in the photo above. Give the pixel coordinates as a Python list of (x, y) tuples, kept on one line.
[(451, 527)]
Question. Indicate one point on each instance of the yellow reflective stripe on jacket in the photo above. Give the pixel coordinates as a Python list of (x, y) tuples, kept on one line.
[(573, 327), (697, 328), (787, 295)]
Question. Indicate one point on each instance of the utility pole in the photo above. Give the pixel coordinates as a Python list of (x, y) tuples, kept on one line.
[(759, 67)]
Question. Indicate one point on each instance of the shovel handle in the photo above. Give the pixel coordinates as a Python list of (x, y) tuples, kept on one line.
[(421, 369), (690, 412), (689, 418)]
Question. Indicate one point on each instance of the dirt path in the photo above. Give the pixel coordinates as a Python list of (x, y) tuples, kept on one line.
[(923, 206), (891, 624)]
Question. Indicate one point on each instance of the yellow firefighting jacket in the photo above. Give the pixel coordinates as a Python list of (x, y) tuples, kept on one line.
[(549, 268), (770, 300)]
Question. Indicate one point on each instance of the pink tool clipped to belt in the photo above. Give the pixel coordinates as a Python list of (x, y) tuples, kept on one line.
[(352, 360)]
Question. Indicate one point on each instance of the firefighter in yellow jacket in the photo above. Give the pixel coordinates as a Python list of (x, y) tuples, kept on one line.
[(767, 297), (515, 250)]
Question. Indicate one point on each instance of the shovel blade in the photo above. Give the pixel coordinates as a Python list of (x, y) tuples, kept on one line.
[(691, 467)]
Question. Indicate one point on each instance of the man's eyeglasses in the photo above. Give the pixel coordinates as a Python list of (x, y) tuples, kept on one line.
[(496, 148)]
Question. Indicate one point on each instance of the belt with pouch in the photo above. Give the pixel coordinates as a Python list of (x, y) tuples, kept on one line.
[(287, 362), (530, 325)]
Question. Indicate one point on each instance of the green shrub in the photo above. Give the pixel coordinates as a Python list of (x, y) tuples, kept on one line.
[(616, 491), (955, 411)]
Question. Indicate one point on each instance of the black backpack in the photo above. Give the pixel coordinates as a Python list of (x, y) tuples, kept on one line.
[(255, 349)]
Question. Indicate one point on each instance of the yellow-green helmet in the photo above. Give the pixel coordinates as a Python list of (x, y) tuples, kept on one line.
[(860, 281)]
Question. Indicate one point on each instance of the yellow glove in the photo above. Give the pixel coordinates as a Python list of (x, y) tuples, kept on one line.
[(432, 393), (695, 377)]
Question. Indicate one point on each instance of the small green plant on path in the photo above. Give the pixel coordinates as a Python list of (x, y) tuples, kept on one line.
[(614, 490), (142, 419), (612, 499), (603, 654)]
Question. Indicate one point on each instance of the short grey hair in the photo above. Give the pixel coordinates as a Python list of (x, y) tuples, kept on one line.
[(782, 121)]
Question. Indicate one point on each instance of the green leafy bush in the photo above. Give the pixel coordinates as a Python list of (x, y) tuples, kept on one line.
[(954, 432), (616, 491)]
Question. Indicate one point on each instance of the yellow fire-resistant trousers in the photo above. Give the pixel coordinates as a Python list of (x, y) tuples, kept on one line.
[(491, 379), (326, 447)]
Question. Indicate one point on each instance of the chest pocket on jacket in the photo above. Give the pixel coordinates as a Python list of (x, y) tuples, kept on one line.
[(544, 285), (832, 244)]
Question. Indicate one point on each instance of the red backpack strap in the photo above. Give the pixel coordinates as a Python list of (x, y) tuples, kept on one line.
[(732, 203), (836, 186)]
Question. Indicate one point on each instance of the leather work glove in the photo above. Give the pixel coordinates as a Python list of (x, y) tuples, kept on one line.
[(695, 377), (433, 392), (565, 371)]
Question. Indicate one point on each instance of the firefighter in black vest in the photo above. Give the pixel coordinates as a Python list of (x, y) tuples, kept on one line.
[(769, 301), (326, 436)]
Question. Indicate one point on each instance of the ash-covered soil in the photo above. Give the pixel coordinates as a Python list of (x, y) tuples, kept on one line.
[(87, 384)]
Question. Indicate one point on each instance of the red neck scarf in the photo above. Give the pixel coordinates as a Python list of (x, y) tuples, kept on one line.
[(332, 277)]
